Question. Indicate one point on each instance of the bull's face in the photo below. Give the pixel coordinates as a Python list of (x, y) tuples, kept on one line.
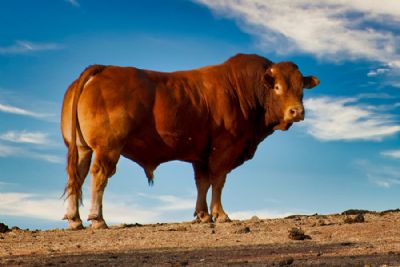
[(286, 96)]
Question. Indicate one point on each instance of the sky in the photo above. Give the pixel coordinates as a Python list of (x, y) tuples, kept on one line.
[(346, 154)]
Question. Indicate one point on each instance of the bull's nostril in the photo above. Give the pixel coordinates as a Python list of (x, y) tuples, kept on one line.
[(296, 113)]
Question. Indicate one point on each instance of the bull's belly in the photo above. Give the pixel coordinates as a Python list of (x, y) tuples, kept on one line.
[(152, 152)]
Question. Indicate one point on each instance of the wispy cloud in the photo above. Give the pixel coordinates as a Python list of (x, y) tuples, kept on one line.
[(117, 209), (5, 184), (330, 118), (330, 29), (170, 202), (25, 47), (73, 2), (30, 205), (392, 154), (19, 152), (15, 103), (38, 138), (20, 111), (376, 96), (377, 72), (382, 175)]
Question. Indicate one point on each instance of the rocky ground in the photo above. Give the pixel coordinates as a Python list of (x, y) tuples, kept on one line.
[(355, 239)]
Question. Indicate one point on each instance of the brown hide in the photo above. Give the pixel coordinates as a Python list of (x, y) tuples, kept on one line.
[(213, 117)]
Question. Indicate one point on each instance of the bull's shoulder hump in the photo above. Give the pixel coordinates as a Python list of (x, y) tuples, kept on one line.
[(245, 59)]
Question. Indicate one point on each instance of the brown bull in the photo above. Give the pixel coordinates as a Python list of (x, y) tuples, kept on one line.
[(213, 117)]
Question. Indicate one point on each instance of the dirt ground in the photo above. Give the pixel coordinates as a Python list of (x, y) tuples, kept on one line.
[(372, 239)]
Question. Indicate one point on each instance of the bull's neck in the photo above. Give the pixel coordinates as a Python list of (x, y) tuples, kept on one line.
[(246, 85), (255, 101)]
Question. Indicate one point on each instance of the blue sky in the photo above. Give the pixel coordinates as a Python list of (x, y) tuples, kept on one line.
[(346, 154)]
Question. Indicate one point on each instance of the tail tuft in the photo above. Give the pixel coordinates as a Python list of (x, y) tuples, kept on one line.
[(150, 175)]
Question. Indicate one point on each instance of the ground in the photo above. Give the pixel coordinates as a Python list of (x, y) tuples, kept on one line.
[(371, 239)]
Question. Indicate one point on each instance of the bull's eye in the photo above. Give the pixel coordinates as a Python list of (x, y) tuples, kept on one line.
[(278, 89)]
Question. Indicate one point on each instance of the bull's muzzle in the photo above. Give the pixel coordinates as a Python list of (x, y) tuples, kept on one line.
[(294, 114)]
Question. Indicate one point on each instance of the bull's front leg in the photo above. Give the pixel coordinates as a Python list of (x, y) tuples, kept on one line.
[(202, 184), (217, 211)]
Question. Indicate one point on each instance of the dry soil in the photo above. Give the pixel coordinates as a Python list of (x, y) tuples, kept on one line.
[(323, 240)]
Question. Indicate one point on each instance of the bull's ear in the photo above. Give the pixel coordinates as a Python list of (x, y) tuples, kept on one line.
[(310, 82), (269, 77)]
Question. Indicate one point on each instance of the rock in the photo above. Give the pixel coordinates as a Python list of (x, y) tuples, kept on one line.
[(178, 228), (359, 218), (243, 230), (389, 211), (356, 212), (4, 228), (286, 261), (297, 234), (255, 219), (129, 225), (294, 217)]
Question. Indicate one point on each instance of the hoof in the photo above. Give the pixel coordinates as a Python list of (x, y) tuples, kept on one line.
[(202, 217), (75, 225), (222, 219), (98, 224)]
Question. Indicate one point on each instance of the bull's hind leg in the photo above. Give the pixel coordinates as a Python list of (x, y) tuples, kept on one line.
[(103, 167), (217, 211), (202, 184), (72, 214)]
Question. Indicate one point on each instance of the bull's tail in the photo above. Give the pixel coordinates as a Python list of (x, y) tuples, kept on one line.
[(75, 181)]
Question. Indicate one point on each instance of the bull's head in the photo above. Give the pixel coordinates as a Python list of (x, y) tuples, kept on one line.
[(286, 85)]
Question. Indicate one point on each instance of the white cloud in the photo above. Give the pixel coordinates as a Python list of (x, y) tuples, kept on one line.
[(21, 111), (27, 105), (31, 205), (392, 154), (6, 151), (376, 96), (331, 29), (117, 208), (377, 72), (24, 47), (329, 118), (382, 183), (13, 151), (5, 184), (170, 202), (382, 175), (73, 2), (49, 158), (38, 138)]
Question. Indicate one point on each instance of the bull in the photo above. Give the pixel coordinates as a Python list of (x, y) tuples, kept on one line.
[(213, 117)]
